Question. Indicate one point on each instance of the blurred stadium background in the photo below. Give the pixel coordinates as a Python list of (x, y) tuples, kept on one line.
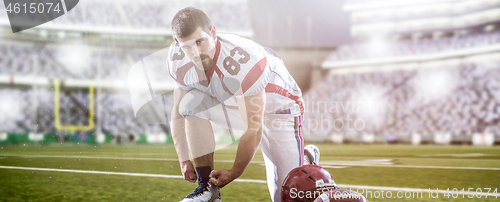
[(373, 73)]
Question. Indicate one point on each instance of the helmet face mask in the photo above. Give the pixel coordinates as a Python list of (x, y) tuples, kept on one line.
[(306, 183)]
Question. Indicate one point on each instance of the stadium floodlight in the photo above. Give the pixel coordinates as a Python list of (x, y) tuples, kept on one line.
[(370, 104), (489, 28), (61, 34), (434, 84), (43, 33), (74, 57), (10, 108), (378, 45)]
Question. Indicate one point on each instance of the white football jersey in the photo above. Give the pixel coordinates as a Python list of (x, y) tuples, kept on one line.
[(240, 64)]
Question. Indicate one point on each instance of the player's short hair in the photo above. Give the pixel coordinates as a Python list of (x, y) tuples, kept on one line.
[(187, 20)]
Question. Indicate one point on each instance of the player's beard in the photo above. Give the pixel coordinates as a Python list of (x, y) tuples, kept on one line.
[(204, 63), (207, 62)]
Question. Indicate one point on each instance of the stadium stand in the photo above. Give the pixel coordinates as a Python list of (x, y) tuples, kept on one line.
[(361, 51), (397, 104), (43, 61), (472, 105), (380, 85), (377, 102), (32, 110), (93, 12), (229, 16)]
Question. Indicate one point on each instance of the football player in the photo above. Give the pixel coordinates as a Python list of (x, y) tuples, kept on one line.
[(312, 183), (238, 84)]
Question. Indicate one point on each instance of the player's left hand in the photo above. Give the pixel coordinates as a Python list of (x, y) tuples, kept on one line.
[(222, 177)]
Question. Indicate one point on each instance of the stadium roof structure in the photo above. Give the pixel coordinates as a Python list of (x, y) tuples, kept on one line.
[(353, 5), (407, 17), (492, 51)]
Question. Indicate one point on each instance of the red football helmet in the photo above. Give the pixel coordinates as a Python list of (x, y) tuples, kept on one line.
[(306, 183)]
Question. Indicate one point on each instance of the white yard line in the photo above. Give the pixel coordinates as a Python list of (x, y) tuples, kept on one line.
[(364, 163), (113, 158), (404, 166), (114, 173), (449, 159), (90, 157), (380, 160), (91, 172), (457, 155), (363, 188), (335, 167)]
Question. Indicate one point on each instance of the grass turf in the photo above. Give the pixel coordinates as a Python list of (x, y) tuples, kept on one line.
[(34, 185)]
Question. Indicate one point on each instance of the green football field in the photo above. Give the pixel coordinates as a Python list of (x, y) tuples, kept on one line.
[(71, 172)]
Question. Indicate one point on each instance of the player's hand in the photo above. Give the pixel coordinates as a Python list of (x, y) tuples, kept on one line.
[(188, 171), (222, 177)]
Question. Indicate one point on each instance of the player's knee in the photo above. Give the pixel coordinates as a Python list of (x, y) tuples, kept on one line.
[(185, 111), (192, 103)]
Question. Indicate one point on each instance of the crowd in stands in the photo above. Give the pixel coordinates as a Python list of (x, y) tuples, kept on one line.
[(465, 101), (402, 48), (32, 110), (151, 14), (460, 99), (30, 60), (384, 102), (379, 102)]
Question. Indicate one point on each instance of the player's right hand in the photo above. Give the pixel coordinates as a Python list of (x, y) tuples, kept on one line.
[(188, 171)]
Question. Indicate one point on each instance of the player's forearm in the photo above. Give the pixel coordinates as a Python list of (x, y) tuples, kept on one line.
[(179, 137), (178, 127), (254, 116), (247, 147)]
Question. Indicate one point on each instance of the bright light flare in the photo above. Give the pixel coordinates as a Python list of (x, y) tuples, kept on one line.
[(75, 57), (371, 104), (10, 107), (434, 84), (378, 46)]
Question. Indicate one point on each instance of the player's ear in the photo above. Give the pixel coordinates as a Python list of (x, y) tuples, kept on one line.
[(175, 39), (213, 32)]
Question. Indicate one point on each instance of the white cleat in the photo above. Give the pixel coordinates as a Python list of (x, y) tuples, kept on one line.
[(206, 192), (312, 152)]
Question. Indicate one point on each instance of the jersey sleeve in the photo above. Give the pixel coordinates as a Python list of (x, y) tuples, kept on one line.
[(175, 64), (256, 79), (253, 69)]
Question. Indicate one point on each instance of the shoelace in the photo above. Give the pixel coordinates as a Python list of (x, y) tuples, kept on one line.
[(202, 186)]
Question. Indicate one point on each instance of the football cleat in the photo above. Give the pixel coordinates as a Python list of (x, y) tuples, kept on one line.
[(206, 192), (312, 152)]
